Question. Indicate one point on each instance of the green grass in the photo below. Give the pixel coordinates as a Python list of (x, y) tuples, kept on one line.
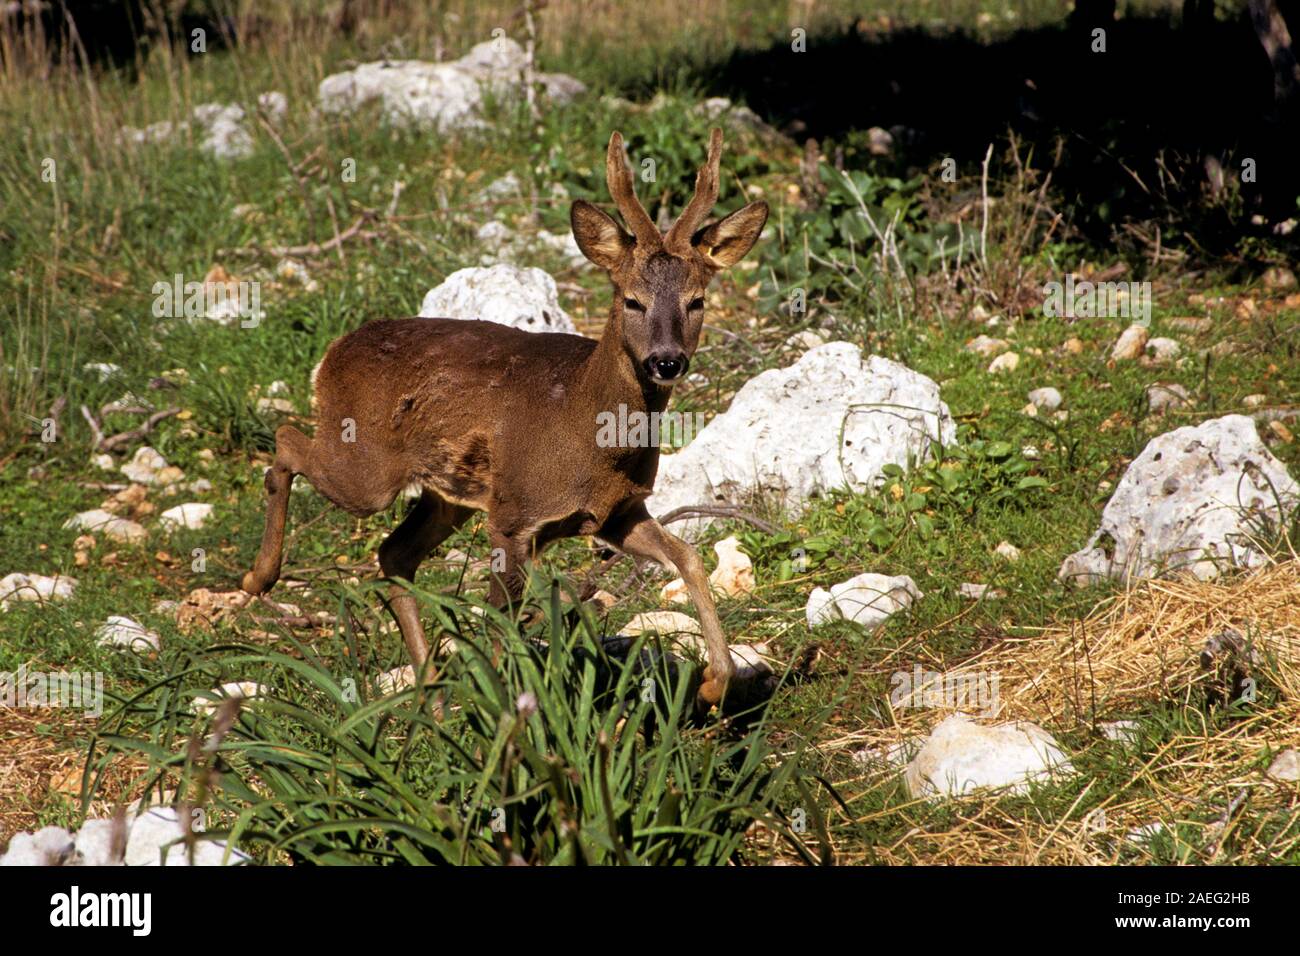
[(79, 257)]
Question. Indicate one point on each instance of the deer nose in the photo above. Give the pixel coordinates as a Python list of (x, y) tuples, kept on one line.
[(666, 367)]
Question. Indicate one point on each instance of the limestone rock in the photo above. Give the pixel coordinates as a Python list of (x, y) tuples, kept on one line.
[(831, 420), (961, 756), (1191, 502), (522, 298), (868, 599)]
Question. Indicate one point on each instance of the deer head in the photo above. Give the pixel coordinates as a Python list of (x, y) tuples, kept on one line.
[(660, 279)]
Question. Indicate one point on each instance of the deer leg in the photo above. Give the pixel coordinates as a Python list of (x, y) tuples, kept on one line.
[(511, 552), (640, 535), (293, 452), (428, 524)]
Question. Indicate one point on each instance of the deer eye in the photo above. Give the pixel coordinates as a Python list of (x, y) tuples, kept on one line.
[(695, 305), (633, 305)]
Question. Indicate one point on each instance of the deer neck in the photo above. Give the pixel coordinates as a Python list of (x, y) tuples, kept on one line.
[(609, 379)]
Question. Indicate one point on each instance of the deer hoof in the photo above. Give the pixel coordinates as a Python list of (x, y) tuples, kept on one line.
[(711, 691)]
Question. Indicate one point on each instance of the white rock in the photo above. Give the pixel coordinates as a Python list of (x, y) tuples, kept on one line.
[(807, 339), (225, 134), (962, 756), (23, 852), (411, 92), (1122, 731), (985, 346), (1130, 344), (820, 608), (103, 462), (665, 623), (1167, 396), (158, 839), (1045, 399), (192, 514), (749, 662), (522, 298), (1008, 551), (563, 245), (978, 592), (508, 186), (51, 846), (103, 370), (56, 843), (1286, 766), (35, 587), (733, 576), (153, 133), (119, 631), (274, 104), (144, 466), (1006, 362), (781, 436), (867, 599), (1187, 500), (735, 117), (95, 843), (239, 690), (222, 128), (279, 406), (1163, 349), (396, 680), (502, 244), (110, 526), (444, 96), (294, 271)]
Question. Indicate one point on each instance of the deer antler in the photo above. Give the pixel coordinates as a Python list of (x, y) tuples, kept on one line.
[(619, 177), (678, 239)]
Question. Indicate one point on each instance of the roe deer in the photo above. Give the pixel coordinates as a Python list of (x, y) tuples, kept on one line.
[(485, 417)]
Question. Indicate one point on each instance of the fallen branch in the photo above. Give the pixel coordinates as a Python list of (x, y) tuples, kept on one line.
[(102, 444), (717, 511), (310, 249)]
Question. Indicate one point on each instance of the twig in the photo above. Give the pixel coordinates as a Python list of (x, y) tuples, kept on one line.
[(311, 248), (717, 511), (100, 443), (96, 433), (294, 168)]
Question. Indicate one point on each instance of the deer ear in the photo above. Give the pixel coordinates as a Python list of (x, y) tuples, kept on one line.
[(725, 242), (601, 239)]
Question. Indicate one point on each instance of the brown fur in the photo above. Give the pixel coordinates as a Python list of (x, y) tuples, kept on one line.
[(485, 417)]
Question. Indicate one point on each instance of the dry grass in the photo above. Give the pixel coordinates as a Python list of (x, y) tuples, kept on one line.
[(42, 759), (1139, 655), (1146, 645)]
